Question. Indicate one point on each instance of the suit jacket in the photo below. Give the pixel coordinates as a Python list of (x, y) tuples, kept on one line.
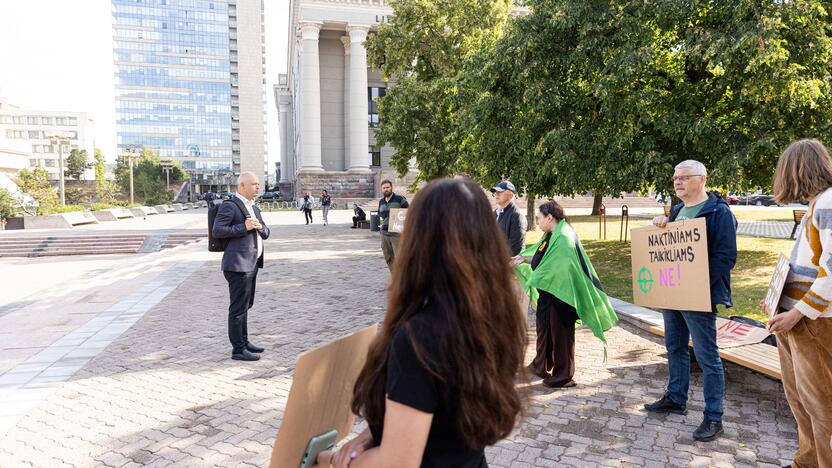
[(513, 224), (241, 253)]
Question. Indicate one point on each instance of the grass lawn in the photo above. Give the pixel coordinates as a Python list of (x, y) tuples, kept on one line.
[(756, 258)]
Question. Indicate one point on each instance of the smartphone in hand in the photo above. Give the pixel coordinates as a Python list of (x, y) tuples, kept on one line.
[(318, 444)]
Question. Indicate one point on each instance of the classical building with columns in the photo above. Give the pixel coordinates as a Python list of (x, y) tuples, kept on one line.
[(326, 106)]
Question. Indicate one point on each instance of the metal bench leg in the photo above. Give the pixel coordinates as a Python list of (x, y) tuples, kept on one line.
[(794, 229)]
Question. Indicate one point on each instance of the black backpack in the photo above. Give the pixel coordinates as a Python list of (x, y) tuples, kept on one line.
[(214, 244)]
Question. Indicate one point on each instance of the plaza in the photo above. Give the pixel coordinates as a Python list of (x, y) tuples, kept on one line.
[(137, 371)]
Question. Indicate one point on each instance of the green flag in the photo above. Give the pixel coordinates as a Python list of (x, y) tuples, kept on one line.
[(564, 275)]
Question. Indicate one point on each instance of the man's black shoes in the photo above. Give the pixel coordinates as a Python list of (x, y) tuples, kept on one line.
[(666, 405), (708, 430), (245, 355), (254, 349)]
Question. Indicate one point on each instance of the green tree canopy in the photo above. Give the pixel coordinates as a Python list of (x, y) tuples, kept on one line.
[(76, 163), (149, 181), (36, 184), (423, 48)]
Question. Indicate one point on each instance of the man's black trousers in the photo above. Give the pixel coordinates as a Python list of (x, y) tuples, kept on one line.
[(241, 291)]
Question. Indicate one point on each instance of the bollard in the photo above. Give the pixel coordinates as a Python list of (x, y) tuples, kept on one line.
[(602, 220), (625, 223)]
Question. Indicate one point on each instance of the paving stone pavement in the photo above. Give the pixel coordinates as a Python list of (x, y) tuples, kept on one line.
[(775, 229), (166, 393)]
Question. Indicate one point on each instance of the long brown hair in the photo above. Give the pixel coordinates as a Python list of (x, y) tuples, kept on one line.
[(453, 257), (804, 170)]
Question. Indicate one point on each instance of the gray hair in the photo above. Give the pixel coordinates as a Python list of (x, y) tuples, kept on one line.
[(694, 166)]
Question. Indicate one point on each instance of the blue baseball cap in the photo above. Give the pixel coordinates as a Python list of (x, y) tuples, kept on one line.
[(503, 186)]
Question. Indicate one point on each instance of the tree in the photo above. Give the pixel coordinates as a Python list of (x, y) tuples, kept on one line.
[(36, 184), (76, 164), (7, 204), (149, 181), (423, 48), (105, 190), (607, 96)]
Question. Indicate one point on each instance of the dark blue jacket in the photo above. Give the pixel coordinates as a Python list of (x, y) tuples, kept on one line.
[(721, 226), (241, 252)]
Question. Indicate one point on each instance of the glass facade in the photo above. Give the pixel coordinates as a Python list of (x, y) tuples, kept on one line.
[(173, 82)]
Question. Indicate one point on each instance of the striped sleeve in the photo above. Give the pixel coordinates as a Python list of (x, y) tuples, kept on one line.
[(817, 299)]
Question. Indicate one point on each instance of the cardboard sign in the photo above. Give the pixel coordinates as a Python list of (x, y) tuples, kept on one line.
[(397, 217), (730, 334), (670, 266), (775, 287), (320, 397)]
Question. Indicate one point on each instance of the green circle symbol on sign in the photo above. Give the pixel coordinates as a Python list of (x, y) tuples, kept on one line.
[(645, 280)]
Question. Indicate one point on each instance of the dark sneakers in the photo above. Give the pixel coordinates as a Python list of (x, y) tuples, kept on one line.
[(666, 405), (245, 355), (708, 430)]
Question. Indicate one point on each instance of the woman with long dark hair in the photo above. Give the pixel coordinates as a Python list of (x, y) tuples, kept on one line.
[(804, 317), (438, 385), (566, 288)]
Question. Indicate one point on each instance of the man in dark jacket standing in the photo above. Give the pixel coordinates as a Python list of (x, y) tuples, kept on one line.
[(511, 222), (243, 256), (681, 326), (389, 240)]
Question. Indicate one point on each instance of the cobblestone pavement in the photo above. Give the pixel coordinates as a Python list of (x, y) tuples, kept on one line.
[(776, 229), (166, 393)]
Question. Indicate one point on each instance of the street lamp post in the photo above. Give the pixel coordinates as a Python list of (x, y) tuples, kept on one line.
[(167, 166), (57, 139), (130, 153)]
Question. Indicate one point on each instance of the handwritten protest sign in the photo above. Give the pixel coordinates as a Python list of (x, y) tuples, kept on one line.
[(775, 287), (730, 334), (670, 266), (397, 217)]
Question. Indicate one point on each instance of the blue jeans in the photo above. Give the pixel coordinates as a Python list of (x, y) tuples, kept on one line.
[(679, 327)]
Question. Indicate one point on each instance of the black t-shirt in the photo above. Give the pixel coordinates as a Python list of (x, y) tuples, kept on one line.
[(541, 251), (411, 383)]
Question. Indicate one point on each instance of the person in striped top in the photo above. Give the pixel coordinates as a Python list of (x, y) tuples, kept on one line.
[(804, 321)]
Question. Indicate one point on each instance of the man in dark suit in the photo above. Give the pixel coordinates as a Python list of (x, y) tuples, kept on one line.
[(243, 256), (511, 222)]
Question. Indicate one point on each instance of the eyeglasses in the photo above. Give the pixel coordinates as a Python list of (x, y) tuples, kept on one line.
[(685, 178)]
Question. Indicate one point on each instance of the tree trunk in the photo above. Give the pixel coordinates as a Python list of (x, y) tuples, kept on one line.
[(530, 207), (596, 204)]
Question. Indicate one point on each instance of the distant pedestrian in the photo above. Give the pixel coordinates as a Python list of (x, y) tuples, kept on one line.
[(565, 286), (389, 240), (358, 215), (306, 207), (326, 201), (804, 319)]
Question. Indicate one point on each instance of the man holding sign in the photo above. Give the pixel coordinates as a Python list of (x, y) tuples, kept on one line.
[(680, 326)]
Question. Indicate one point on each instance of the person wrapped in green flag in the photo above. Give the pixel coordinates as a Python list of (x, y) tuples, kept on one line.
[(557, 275)]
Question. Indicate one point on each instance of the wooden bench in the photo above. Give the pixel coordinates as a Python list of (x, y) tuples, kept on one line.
[(798, 218), (759, 357), (363, 224)]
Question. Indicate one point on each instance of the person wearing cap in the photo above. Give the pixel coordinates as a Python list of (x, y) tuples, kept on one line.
[(509, 219)]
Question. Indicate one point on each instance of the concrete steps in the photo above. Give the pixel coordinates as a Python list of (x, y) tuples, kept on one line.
[(43, 246)]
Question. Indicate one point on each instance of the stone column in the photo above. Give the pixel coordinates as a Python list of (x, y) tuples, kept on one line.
[(285, 143), (310, 97), (359, 138), (346, 41)]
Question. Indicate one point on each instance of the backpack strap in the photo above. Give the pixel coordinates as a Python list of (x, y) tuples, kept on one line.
[(240, 205)]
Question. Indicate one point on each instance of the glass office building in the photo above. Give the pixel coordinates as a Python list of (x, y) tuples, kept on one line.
[(176, 84)]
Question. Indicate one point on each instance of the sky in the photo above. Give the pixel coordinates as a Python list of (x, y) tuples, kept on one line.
[(57, 55)]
